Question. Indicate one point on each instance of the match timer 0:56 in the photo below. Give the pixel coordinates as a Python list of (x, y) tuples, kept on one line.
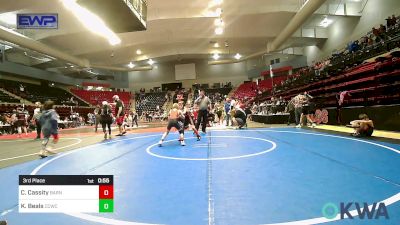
[(105, 180)]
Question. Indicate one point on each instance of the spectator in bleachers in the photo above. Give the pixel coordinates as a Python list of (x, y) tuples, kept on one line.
[(389, 22), (394, 21), (382, 28), (376, 33), (370, 40), (382, 32)]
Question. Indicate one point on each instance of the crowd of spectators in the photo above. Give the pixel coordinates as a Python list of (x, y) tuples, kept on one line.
[(20, 119), (377, 41), (272, 106), (17, 121)]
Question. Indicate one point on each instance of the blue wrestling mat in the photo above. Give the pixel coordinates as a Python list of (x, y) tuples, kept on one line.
[(231, 177)]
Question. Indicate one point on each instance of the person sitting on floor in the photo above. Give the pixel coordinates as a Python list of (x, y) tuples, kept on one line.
[(364, 127)]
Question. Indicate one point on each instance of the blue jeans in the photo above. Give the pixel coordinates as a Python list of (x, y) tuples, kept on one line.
[(228, 118)]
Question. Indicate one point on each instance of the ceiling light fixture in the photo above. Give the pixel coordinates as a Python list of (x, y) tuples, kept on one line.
[(218, 11), (91, 21), (326, 22), (238, 56), (216, 56), (138, 52), (218, 2), (219, 30), (216, 45), (150, 62), (218, 22), (131, 65)]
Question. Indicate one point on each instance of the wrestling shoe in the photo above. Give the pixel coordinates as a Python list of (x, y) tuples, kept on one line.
[(42, 154), (160, 143), (105, 135), (183, 143), (198, 138)]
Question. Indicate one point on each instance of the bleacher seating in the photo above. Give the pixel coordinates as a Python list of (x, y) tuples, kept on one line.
[(250, 90), (97, 97), (5, 98), (369, 84), (370, 74), (149, 101), (35, 93)]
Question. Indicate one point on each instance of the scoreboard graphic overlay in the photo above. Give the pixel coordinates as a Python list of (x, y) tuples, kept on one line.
[(66, 194)]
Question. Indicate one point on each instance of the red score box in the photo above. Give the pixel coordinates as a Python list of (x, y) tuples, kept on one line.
[(106, 192)]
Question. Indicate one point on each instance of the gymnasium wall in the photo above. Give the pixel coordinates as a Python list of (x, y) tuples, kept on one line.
[(165, 73), (345, 29)]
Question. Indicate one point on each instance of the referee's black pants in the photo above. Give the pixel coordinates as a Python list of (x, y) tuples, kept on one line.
[(202, 118)]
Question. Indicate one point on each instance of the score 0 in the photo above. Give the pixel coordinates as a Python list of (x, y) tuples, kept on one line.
[(106, 198)]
